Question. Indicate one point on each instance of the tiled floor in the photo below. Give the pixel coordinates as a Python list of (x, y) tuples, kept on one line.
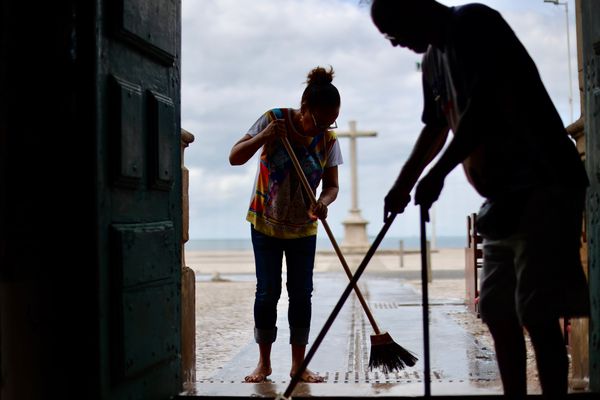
[(460, 365)]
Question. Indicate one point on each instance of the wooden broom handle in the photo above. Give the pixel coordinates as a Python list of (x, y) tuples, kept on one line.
[(313, 201)]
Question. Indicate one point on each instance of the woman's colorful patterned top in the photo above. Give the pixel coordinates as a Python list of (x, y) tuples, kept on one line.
[(279, 207)]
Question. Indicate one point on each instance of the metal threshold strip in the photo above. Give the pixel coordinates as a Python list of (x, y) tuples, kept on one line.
[(406, 390)]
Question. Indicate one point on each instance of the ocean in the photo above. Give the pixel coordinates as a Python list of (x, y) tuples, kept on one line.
[(388, 243)]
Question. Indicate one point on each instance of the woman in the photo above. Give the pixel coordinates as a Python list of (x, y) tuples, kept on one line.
[(282, 219)]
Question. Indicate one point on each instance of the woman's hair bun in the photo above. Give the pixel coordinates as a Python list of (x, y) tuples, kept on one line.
[(319, 91), (320, 76)]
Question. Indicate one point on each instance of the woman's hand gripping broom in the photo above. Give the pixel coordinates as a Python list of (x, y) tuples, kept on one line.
[(385, 353)]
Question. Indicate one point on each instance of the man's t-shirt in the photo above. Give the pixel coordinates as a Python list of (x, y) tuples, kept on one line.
[(484, 66), (279, 206)]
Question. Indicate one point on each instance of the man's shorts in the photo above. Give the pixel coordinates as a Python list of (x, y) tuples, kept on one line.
[(536, 272)]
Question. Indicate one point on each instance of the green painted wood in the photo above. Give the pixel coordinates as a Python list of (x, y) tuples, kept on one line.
[(90, 200), (591, 72), (140, 215)]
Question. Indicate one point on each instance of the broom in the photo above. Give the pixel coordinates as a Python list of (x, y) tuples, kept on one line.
[(336, 310), (385, 353)]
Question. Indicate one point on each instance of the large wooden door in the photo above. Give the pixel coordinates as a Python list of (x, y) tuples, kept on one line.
[(139, 196), (90, 199), (590, 15)]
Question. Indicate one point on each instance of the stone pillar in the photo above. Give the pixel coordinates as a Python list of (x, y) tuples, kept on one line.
[(188, 279)]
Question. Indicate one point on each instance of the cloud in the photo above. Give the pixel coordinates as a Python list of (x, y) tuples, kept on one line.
[(241, 58)]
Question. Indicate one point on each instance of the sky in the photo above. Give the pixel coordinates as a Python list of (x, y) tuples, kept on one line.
[(241, 58)]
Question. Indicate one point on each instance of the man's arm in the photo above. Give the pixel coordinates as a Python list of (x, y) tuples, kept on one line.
[(430, 142), (491, 61), (465, 140)]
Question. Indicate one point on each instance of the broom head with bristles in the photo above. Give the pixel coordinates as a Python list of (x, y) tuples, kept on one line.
[(388, 355)]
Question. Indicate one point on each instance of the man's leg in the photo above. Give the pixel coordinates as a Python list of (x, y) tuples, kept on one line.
[(551, 280), (509, 344), (551, 357), (498, 311)]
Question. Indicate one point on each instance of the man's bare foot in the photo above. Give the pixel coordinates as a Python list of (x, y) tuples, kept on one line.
[(309, 377), (259, 374)]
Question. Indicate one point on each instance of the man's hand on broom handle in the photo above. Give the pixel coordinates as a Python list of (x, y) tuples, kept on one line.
[(395, 202)]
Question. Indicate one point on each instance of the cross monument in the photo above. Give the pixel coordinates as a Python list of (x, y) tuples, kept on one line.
[(355, 226)]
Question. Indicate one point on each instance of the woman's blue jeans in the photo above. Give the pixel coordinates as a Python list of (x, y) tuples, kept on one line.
[(268, 258)]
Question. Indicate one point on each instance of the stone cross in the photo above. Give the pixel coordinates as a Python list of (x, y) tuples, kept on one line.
[(355, 226)]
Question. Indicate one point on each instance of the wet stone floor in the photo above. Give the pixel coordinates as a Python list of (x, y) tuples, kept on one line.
[(460, 362)]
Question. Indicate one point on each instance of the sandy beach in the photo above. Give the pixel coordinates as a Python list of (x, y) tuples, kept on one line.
[(242, 262)]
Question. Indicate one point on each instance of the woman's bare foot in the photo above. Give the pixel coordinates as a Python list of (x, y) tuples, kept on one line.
[(259, 374), (309, 377), (297, 360)]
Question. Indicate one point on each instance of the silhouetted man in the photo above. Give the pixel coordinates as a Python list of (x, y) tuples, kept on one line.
[(480, 83)]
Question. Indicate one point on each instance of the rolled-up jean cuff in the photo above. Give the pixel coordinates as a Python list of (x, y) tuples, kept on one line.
[(299, 336), (265, 335)]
